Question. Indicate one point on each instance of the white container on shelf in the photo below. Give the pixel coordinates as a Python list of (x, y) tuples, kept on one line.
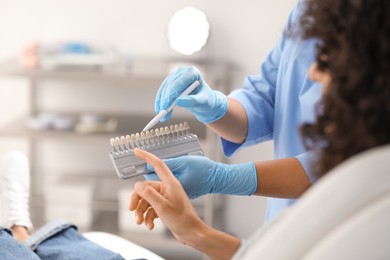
[(127, 219)]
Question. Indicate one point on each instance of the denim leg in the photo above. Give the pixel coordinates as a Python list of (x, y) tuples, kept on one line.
[(12, 249), (61, 240)]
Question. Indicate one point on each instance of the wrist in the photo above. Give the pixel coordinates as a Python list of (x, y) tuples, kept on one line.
[(214, 243), (197, 236)]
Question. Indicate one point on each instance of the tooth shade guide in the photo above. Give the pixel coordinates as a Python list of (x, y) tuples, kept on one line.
[(164, 142), (151, 137)]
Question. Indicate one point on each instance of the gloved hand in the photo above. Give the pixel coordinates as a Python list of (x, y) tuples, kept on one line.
[(206, 104), (200, 175)]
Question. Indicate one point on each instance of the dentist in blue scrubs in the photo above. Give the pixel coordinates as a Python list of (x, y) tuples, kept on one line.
[(270, 106)]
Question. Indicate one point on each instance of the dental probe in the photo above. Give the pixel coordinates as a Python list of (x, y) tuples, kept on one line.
[(163, 113)]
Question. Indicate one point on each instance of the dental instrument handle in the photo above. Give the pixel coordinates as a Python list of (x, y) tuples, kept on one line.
[(163, 113), (155, 120), (186, 92)]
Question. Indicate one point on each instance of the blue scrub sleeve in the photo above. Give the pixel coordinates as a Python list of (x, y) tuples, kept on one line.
[(307, 159), (257, 96)]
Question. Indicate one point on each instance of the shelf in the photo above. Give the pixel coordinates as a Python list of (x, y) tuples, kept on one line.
[(103, 188), (103, 199), (143, 69), (127, 124)]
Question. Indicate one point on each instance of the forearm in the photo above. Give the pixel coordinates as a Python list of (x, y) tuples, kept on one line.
[(233, 126), (214, 243), (167, 200), (284, 178)]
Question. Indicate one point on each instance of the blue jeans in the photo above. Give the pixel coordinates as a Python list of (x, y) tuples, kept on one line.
[(55, 240)]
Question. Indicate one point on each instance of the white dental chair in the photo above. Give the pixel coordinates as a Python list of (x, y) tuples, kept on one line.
[(346, 215)]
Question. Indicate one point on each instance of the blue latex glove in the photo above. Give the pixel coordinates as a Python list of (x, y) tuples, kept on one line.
[(200, 175), (206, 104)]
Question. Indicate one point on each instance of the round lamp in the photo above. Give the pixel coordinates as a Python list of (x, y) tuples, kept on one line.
[(188, 31)]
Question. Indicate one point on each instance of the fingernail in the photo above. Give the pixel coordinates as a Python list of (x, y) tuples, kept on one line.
[(148, 225)]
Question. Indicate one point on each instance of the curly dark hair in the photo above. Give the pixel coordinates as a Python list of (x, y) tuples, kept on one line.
[(354, 115)]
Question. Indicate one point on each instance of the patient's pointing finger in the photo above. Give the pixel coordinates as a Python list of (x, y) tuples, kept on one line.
[(160, 167)]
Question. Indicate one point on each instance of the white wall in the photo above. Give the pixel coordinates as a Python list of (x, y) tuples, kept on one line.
[(242, 32)]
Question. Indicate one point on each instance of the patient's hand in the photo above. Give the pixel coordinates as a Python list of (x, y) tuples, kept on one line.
[(165, 199)]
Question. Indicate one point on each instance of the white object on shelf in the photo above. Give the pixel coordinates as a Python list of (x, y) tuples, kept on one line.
[(75, 61), (103, 126), (47, 121), (126, 220)]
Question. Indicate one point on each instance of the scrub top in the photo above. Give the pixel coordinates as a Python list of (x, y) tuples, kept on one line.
[(278, 100)]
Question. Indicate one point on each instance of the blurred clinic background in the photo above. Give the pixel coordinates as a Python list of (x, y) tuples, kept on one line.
[(75, 73)]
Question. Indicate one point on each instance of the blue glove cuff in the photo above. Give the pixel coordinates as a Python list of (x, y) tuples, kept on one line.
[(235, 179), (219, 109)]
